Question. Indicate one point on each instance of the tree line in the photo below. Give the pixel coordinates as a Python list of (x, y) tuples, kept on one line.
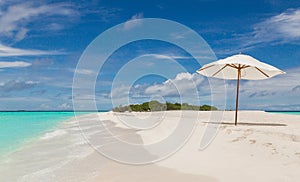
[(157, 106)]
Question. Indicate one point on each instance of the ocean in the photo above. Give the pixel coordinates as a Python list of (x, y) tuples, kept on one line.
[(17, 128), (286, 112)]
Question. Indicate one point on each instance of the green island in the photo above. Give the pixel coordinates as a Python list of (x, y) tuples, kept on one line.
[(157, 106)]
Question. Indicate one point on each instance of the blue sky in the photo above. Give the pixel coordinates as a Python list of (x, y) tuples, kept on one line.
[(41, 43)]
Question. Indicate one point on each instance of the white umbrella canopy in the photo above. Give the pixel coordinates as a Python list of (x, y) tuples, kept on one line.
[(251, 68), (239, 67)]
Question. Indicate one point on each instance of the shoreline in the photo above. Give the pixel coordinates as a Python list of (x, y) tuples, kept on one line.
[(101, 111), (64, 154), (40, 134), (35, 136)]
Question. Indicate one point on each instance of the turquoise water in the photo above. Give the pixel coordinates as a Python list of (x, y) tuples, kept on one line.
[(19, 127), (285, 112)]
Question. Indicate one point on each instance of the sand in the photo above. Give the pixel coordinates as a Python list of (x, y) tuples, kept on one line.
[(263, 147)]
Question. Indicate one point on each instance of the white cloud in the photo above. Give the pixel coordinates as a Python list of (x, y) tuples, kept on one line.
[(185, 87), (83, 71), (55, 26), (15, 17), (267, 94), (183, 83), (119, 92), (264, 94), (277, 29), (45, 106), (134, 21), (181, 34), (279, 84), (282, 90), (163, 56), (15, 85), (177, 36), (285, 26), (106, 14), (6, 51), (64, 106), (14, 64), (19, 100), (21, 34), (280, 28), (171, 56)]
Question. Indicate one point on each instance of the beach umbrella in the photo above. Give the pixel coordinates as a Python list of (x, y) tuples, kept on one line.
[(239, 67)]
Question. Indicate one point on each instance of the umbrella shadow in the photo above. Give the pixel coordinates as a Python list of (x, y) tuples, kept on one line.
[(248, 124)]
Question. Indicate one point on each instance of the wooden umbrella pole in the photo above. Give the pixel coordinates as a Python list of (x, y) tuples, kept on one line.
[(237, 94)]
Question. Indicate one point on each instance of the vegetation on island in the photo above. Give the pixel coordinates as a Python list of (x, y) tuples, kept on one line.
[(157, 106)]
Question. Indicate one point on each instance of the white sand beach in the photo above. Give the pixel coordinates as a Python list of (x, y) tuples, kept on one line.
[(263, 147)]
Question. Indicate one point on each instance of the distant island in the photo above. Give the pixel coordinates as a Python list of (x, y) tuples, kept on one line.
[(157, 106)]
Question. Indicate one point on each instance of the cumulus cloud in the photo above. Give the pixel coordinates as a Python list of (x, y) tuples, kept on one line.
[(134, 21), (4, 64), (184, 87), (183, 83), (119, 92), (263, 94)]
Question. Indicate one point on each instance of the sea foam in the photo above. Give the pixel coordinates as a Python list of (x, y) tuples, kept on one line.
[(53, 134)]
